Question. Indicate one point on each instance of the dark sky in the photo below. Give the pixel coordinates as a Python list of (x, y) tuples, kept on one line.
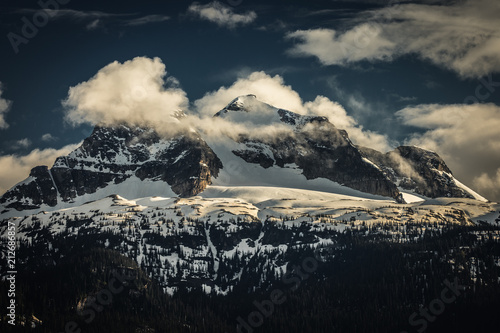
[(426, 59)]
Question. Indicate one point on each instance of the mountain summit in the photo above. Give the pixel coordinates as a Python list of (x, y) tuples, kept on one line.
[(310, 153)]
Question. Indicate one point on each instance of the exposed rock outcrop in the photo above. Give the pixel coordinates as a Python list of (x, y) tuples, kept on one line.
[(111, 155)]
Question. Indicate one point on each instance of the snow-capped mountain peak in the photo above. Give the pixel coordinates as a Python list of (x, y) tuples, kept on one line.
[(310, 153), (241, 103)]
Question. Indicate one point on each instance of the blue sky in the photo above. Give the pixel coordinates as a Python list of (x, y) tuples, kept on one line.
[(391, 72)]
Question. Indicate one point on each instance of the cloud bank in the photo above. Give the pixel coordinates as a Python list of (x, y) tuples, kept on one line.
[(220, 14), (4, 108), (137, 91), (467, 138), (463, 36)]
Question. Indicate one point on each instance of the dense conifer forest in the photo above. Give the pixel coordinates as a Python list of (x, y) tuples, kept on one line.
[(362, 284)]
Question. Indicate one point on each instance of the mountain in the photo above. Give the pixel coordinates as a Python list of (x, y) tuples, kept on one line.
[(313, 144), (321, 151), (211, 228), (307, 152), (130, 160)]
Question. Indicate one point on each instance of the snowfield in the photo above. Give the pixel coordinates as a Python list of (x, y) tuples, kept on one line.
[(257, 202), (181, 239)]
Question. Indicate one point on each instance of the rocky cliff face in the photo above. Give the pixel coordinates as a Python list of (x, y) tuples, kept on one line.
[(112, 155), (418, 170)]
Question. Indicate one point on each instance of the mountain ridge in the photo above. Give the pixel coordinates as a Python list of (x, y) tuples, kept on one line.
[(184, 164)]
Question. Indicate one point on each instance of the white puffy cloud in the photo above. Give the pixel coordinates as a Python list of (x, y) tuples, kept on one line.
[(4, 108), (337, 115), (273, 90), (467, 137), (363, 42), (221, 14), (47, 137), (14, 168), (21, 144), (132, 92), (323, 106), (463, 36), (268, 89)]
